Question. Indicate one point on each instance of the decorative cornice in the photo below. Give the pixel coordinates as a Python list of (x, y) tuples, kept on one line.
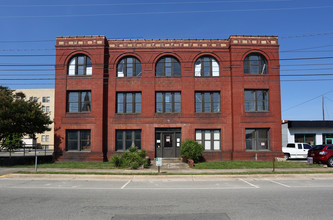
[(168, 43)]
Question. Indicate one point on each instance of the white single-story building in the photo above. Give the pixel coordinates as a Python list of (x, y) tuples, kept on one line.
[(311, 132)]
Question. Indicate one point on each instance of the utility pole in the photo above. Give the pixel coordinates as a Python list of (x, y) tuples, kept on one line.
[(323, 108)]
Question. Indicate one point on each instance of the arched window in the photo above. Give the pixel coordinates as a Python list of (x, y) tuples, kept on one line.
[(168, 66), (255, 63), (80, 65), (128, 67), (206, 66)]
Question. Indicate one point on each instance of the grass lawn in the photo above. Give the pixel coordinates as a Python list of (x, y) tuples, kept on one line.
[(252, 165), (72, 165), (203, 165)]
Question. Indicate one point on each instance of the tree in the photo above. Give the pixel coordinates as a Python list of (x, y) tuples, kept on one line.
[(19, 117)]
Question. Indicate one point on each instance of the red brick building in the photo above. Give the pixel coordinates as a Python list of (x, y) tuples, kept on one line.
[(154, 94)]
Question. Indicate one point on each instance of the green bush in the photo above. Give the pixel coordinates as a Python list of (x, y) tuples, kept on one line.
[(131, 159), (116, 160), (191, 149)]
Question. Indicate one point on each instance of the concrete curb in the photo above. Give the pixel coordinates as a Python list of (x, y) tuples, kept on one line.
[(134, 177)]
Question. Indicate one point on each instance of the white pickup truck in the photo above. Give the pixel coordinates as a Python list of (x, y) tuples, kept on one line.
[(296, 150)]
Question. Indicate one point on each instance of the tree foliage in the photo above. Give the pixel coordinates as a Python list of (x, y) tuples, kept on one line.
[(20, 116), (12, 141)]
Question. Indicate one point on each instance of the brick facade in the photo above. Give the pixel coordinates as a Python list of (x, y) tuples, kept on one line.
[(231, 121)]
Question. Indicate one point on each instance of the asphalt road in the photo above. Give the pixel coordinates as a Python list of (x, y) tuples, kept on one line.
[(154, 197)]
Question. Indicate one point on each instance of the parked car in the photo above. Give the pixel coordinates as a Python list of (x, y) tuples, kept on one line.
[(296, 150), (322, 154)]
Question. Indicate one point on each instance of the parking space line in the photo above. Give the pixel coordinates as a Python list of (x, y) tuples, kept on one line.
[(279, 183), (190, 188), (126, 184), (255, 186)]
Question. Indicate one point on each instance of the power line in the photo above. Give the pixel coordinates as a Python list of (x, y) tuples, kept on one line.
[(309, 100), (284, 59), (146, 3), (225, 76), (307, 35), (166, 12), (135, 38), (195, 78), (54, 55)]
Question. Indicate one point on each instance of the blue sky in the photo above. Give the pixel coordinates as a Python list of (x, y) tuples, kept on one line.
[(304, 27)]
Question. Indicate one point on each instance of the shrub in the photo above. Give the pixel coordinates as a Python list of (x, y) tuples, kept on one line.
[(191, 149), (131, 159), (116, 160)]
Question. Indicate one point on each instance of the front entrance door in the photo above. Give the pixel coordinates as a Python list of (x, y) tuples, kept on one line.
[(167, 142)]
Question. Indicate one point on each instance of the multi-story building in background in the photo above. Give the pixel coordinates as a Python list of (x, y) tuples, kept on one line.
[(154, 94), (46, 98)]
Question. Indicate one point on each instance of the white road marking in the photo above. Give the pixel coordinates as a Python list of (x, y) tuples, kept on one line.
[(255, 186), (279, 183), (126, 184)]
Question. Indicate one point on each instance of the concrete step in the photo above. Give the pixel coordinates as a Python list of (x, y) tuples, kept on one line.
[(171, 163)]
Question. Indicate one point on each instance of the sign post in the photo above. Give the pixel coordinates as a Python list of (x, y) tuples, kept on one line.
[(310, 160), (159, 163)]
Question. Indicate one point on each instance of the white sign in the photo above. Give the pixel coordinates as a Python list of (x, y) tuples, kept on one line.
[(310, 160), (158, 161)]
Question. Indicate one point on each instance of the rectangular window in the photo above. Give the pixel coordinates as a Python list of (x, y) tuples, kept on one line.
[(128, 102), (78, 140), (257, 139), (306, 138), (128, 138), (209, 138), (256, 100), (207, 102), (34, 99), (79, 101), (43, 138), (167, 102), (46, 99)]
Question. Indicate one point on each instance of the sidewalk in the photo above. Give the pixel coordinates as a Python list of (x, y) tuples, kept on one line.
[(164, 171)]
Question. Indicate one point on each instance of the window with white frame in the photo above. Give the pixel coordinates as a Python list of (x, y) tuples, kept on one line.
[(46, 99), (46, 109), (45, 138), (206, 66), (80, 65), (129, 67), (209, 138)]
